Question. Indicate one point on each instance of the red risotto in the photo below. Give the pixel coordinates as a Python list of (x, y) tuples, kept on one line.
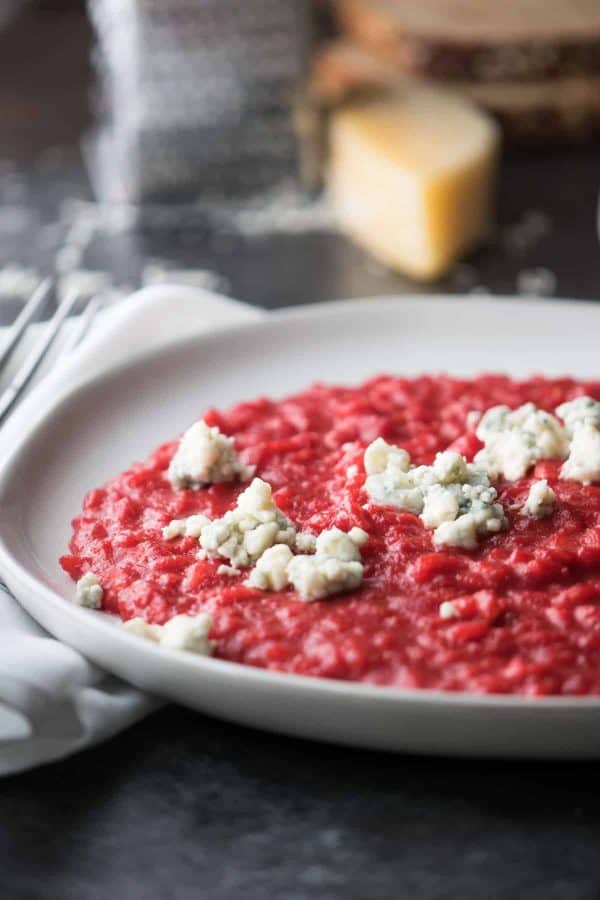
[(526, 600)]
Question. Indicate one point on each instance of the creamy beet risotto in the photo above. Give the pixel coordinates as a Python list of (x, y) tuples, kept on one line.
[(422, 533)]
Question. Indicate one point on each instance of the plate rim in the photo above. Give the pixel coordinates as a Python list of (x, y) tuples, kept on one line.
[(18, 577)]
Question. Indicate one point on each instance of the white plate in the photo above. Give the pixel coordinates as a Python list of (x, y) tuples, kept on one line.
[(97, 431)]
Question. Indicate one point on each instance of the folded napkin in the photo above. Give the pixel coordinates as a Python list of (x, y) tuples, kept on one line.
[(53, 702)]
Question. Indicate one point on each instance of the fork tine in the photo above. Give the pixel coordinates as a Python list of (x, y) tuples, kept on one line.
[(27, 314), (27, 370), (82, 327)]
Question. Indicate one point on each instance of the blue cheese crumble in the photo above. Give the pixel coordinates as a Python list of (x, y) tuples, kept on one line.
[(577, 412), (318, 576), (182, 632), (335, 566), (190, 527), (243, 534), (89, 591), (453, 497), (391, 481), (516, 439), (541, 500), (271, 570), (206, 456), (582, 423), (448, 610)]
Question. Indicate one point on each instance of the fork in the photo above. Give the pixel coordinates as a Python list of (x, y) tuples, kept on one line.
[(10, 396)]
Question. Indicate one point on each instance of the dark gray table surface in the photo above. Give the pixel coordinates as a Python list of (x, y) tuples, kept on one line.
[(186, 806)]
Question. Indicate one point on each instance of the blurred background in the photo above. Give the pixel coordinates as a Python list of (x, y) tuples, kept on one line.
[(203, 140)]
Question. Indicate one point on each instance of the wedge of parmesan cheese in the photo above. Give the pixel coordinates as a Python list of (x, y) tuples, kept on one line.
[(411, 177)]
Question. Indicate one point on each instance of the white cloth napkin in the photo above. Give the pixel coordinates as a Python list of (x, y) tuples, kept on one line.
[(53, 702)]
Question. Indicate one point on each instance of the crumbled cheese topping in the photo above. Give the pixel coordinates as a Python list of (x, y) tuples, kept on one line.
[(228, 570), (440, 505), (143, 629), (359, 536), (381, 457), (334, 567), (390, 480), (206, 456), (516, 439), (345, 547), (540, 500), (448, 610), (582, 423), (179, 633), (243, 534), (89, 591), (318, 576), (270, 572), (452, 496), (305, 542), (580, 411), (462, 532), (583, 463), (190, 527), (188, 633)]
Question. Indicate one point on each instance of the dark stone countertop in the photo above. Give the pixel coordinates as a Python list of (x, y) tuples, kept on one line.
[(186, 806)]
